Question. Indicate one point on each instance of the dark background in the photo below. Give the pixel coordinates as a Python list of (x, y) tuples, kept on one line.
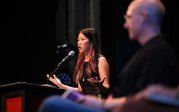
[(28, 37)]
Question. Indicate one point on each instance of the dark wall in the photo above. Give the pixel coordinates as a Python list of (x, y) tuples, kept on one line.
[(114, 38), (28, 40), (109, 34), (170, 26)]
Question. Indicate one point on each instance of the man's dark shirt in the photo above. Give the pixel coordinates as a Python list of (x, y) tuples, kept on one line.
[(154, 63)]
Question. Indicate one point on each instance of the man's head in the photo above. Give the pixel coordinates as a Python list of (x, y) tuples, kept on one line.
[(144, 17)]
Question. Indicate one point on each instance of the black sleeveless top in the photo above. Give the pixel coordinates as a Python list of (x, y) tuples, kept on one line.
[(87, 87)]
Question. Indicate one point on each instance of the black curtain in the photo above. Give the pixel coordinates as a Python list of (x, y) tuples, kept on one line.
[(28, 40)]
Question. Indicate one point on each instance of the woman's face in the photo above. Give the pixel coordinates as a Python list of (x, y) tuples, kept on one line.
[(83, 43)]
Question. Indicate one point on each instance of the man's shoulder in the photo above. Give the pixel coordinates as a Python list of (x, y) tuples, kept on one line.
[(158, 44)]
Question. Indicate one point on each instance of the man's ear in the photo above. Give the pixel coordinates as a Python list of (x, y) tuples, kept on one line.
[(145, 16)]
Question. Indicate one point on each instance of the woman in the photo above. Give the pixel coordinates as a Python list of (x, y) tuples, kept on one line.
[(92, 69)]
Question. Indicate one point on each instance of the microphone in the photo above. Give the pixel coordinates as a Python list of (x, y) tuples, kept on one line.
[(68, 57)]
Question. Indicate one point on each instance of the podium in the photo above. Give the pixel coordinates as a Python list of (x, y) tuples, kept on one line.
[(24, 96)]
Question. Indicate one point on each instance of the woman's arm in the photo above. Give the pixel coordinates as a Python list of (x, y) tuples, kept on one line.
[(58, 83), (103, 67)]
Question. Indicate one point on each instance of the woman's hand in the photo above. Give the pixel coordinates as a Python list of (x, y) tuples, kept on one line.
[(55, 80), (96, 82)]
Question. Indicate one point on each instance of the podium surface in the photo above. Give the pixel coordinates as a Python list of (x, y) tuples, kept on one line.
[(24, 96)]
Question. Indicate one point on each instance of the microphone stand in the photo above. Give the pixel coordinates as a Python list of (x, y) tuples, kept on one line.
[(58, 66), (48, 76)]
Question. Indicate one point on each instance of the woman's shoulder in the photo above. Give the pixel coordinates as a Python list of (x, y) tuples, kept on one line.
[(101, 58)]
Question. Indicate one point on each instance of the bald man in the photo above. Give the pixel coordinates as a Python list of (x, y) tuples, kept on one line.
[(155, 62)]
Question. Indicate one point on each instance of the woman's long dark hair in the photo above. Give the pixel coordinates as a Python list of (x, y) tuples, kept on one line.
[(92, 66)]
